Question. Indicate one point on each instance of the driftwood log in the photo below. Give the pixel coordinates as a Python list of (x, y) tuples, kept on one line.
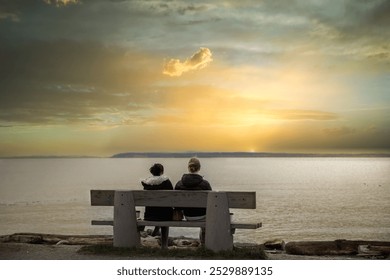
[(43, 238), (337, 247), (59, 239)]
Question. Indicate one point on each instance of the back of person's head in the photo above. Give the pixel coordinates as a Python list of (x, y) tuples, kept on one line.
[(194, 165), (157, 169)]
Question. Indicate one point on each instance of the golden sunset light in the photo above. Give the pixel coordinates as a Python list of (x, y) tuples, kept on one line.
[(95, 78)]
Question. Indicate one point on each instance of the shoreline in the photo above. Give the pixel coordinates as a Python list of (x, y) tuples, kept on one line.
[(39, 246)]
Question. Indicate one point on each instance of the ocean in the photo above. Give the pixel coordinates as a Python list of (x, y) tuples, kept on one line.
[(297, 198)]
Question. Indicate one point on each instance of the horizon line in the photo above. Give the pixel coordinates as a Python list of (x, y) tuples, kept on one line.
[(211, 154)]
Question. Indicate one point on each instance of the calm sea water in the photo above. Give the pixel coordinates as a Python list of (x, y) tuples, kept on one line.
[(297, 198)]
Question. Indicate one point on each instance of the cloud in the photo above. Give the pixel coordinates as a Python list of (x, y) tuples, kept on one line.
[(171, 8), (199, 60), (67, 82), (339, 131), (303, 115), (59, 3), (11, 16)]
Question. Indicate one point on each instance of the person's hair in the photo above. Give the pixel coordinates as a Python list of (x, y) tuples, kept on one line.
[(157, 169), (194, 165)]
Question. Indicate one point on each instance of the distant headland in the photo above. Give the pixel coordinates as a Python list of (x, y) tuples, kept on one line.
[(236, 155)]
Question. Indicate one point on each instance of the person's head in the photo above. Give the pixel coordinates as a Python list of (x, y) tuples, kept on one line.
[(157, 169), (194, 165)]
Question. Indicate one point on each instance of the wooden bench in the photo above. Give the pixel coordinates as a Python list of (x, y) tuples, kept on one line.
[(218, 225)]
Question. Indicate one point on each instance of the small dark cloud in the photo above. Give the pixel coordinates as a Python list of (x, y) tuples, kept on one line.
[(14, 17), (303, 115), (192, 9), (61, 3), (360, 18), (175, 7), (375, 13), (339, 131)]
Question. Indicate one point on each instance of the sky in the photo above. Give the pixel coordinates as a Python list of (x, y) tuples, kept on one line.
[(100, 77)]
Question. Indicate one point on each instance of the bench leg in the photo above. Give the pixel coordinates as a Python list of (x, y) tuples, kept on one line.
[(202, 236), (156, 231), (125, 220), (164, 237), (218, 233)]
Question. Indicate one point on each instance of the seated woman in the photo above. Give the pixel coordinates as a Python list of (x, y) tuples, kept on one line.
[(158, 181), (193, 181)]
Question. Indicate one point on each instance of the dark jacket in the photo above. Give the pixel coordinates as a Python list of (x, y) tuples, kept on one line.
[(193, 182), (158, 213)]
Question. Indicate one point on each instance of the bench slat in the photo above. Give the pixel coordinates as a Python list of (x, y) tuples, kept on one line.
[(246, 226), (172, 223), (176, 224), (242, 200), (102, 223)]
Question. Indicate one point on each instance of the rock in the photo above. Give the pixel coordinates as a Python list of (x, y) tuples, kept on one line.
[(276, 244), (186, 242), (62, 242), (33, 239), (322, 248), (372, 250), (150, 242), (170, 241)]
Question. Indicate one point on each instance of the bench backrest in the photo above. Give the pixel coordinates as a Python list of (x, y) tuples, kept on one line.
[(167, 198)]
